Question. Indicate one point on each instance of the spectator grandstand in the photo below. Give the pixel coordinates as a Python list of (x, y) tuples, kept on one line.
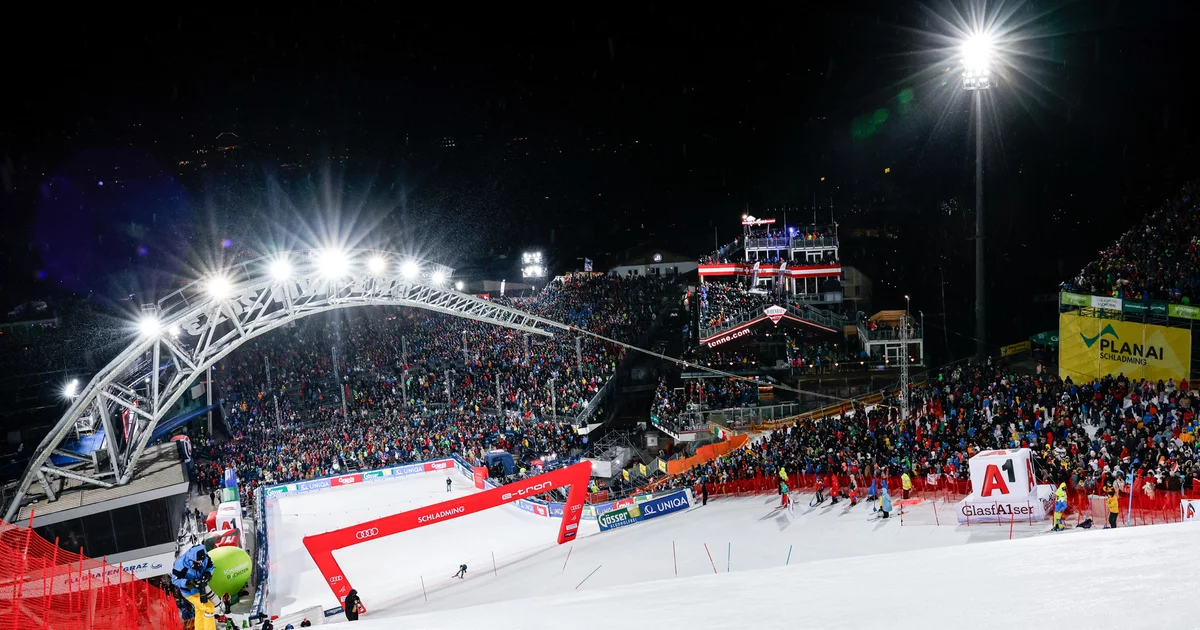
[(375, 359), (1155, 260)]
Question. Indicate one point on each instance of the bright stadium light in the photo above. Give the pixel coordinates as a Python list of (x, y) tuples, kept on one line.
[(70, 389), (218, 287), (281, 269), (977, 57), (458, 286), (410, 269), (376, 264), (173, 330), (332, 263), (438, 277), (149, 325)]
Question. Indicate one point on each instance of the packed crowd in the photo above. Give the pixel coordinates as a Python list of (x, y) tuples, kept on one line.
[(1158, 259), (722, 253), (368, 388), (817, 352), (675, 406), (1090, 436), (719, 302)]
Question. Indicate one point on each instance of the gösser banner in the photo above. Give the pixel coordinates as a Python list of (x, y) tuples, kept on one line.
[(1091, 347)]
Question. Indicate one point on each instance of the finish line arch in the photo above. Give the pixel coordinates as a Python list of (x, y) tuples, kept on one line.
[(322, 546), (188, 331)]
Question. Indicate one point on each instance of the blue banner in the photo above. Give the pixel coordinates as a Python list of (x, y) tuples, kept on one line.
[(556, 510), (673, 502), (305, 486), (230, 478)]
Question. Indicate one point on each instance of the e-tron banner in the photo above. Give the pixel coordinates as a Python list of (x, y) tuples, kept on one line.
[(1091, 347), (322, 546)]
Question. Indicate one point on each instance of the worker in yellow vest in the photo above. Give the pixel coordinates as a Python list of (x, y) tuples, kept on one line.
[(906, 483)]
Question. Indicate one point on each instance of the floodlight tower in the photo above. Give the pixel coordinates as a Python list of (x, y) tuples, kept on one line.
[(977, 57)]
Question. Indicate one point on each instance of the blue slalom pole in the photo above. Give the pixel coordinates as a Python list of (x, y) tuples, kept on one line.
[(728, 551), (789, 556)]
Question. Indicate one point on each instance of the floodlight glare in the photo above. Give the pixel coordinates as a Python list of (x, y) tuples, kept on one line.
[(332, 263), (173, 330), (977, 53), (281, 269), (458, 286), (376, 264), (977, 57), (438, 277), (149, 325), (218, 287), (70, 389), (410, 269)]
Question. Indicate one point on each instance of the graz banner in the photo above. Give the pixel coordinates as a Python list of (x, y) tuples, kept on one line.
[(1091, 347)]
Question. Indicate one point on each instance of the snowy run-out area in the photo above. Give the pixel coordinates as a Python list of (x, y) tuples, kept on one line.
[(845, 567)]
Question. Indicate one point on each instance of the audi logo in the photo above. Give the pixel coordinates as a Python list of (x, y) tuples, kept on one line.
[(364, 534), (335, 579)]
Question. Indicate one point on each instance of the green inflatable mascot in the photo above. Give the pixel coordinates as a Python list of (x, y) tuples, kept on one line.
[(231, 570)]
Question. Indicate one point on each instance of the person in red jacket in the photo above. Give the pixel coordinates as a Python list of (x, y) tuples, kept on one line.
[(833, 490)]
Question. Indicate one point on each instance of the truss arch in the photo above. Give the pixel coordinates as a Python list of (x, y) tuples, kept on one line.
[(186, 332)]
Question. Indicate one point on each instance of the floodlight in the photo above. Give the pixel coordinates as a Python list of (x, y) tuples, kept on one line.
[(218, 287), (70, 389), (332, 263), (977, 57), (149, 325), (281, 269), (410, 269), (458, 286), (977, 53), (438, 277), (376, 264), (173, 330)]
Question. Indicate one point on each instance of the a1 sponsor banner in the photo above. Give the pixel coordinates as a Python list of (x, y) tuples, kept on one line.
[(347, 480), (479, 476), (316, 484), (619, 518), (1183, 310), (1189, 509), (1093, 347), (660, 506)]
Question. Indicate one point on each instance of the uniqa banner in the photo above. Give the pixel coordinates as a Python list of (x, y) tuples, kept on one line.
[(1091, 347), (673, 502)]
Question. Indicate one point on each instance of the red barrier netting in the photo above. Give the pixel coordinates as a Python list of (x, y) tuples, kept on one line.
[(42, 586)]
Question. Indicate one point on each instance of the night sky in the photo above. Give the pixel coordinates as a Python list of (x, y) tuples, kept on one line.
[(221, 134)]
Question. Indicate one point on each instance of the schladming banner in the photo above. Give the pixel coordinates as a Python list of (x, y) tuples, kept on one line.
[(1091, 347)]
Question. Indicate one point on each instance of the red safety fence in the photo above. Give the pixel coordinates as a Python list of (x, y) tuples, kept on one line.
[(1163, 506), (42, 586)]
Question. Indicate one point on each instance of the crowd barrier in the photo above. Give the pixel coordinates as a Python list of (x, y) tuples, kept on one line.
[(1159, 508), (706, 453), (44, 587)]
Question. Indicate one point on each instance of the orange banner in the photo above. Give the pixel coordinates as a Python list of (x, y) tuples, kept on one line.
[(706, 454)]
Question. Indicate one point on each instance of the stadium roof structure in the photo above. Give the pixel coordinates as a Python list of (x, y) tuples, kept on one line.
[(183, 334)]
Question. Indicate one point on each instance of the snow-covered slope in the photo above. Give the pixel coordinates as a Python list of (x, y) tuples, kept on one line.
[(1126, 578)]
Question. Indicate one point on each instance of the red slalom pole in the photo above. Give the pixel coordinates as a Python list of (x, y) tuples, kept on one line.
[(710, 560), (1011, 518), (675, 558)]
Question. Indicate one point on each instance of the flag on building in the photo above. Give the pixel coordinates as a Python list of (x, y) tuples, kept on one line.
[(587, 264)]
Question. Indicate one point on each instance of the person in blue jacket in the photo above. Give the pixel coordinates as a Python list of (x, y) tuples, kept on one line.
[(885, 500), (190, 574)]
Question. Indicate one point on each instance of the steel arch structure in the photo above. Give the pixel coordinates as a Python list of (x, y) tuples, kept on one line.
[(193, 328)]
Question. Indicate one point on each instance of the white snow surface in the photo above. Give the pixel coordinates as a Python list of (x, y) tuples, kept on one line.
[(664, 568), (1123, 578)]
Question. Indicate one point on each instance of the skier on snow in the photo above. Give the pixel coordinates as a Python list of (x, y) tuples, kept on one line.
[(834, 490), (447, 484), (820, 490), (784, 497), (462, 572)]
